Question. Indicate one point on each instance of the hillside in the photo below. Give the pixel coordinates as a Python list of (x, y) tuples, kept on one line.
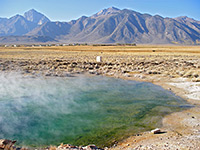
[(110, 25)]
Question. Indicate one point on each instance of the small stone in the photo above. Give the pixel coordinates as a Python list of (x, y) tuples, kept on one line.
[(6, 144), (156, 131)]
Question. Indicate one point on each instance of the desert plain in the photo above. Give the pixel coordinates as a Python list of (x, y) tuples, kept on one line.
[(175, 68)]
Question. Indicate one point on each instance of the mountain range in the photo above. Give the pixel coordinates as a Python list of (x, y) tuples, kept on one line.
[(110, 25)]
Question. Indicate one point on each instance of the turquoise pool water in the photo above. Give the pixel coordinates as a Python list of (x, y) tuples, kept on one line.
[(80, 110)]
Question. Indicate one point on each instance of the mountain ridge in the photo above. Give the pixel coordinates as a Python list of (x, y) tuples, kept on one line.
[(110, 25), (36, 17)]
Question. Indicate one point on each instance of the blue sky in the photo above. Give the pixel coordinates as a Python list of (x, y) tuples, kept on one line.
[(66, 10)]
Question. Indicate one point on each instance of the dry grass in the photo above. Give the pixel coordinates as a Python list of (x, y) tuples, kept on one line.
[(73, 51)]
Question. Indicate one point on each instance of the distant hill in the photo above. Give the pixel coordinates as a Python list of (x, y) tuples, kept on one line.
[(110, 25), (16, 25), (25, 39)]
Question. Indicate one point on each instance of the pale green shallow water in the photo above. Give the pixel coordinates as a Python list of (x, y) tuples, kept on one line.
[(80, 110)]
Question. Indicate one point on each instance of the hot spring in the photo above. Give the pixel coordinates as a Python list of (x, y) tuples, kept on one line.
[(80, 110)]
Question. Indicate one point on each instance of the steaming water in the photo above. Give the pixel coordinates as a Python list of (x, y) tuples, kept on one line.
[(79, 110)]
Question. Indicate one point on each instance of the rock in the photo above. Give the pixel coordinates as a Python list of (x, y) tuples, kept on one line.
[(6, 144), (196, 80), (195, 75), (127, 75), (91, 72), (67, 146), (99, 59), (90, 147), (156, 131)]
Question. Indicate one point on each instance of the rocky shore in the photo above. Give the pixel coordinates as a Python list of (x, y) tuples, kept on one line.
[(177, 72), (9, 145), (129, 66)]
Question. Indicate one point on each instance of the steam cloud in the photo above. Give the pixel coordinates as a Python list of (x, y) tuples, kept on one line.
[(40, 111)]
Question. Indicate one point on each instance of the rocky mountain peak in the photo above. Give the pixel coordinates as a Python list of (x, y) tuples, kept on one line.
[(185, 19), (16, 18), (107, 11), (36, 17)]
